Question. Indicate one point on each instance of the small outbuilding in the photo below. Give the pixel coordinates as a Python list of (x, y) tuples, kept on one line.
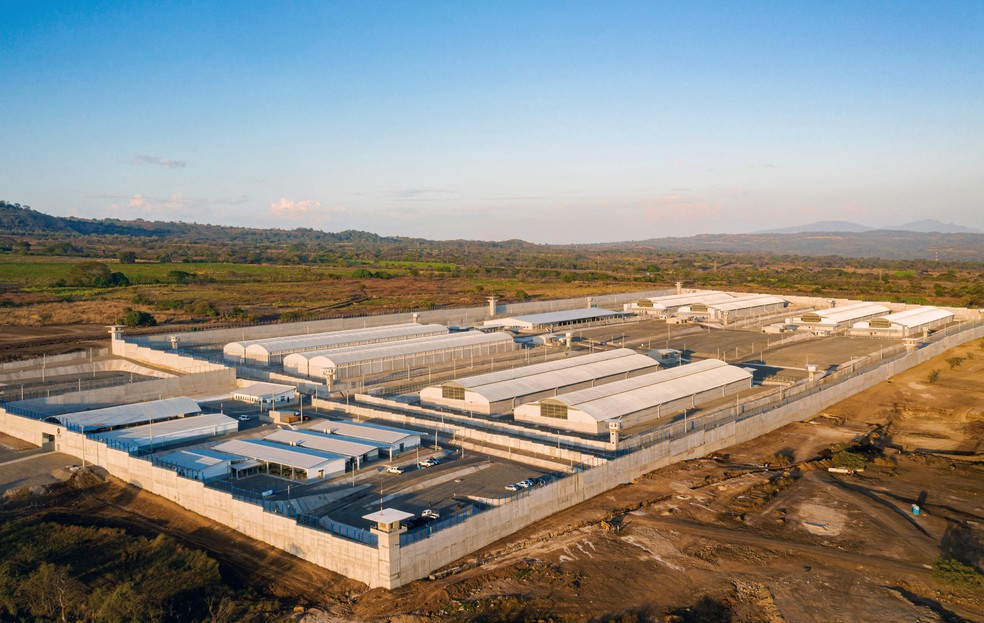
[(265, 394), (199, 464)]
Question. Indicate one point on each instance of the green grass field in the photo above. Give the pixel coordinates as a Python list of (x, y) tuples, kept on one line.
[(26, 273)]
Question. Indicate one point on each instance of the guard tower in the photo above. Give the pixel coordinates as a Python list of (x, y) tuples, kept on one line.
[(492, 306), (388, 530), (116, 339), (614, 428)]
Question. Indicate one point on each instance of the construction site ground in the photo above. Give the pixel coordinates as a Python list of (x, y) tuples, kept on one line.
[(717, 539)]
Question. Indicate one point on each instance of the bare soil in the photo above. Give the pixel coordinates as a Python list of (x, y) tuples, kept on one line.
[(718, 539)]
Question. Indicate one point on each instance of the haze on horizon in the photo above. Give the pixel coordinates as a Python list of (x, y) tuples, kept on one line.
[(549, 121)]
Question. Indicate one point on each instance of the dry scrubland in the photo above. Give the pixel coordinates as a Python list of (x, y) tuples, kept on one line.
[(711, 540)]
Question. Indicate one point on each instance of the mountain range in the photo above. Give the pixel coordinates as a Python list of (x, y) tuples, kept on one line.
[(925, 226), (919, 240)]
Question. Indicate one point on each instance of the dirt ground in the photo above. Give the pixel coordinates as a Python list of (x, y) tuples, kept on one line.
[(718, 539)]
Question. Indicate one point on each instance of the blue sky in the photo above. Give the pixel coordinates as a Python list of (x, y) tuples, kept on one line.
[(546, 121)]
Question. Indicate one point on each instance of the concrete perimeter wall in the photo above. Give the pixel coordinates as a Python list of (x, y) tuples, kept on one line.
[(460, 316), (217, 381), (36, 362)]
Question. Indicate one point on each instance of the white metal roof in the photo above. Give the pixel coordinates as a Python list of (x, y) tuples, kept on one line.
[(164, 432), (371, 352), (847, 313), (198, 459), (263, 390), (644, 380), (320, 441), (745, 302), (329, 339), (358, 430), (539, 368), (622, 398), (137, 413), (911, 317), (679, 300), (271, 452), (548, 318), (388, 515), (586, 368)]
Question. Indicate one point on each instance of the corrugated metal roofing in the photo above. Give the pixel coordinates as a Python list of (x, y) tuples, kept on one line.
[(912, 317), (745, 302), (622, 398), (198, 459), (271, 452), (547, 318), (320, 441), (137, 413), (379, 434), (329, 339), (679, 300), (587, 368), (847, 313), (539, 368), (370, 352), (172, 430)]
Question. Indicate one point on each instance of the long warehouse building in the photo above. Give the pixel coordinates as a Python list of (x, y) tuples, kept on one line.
[(639, 400), (345, 363), (727, 312), (273, 350), (825, 321), (549, 321), (134, 414), (150, 436), (663, 306), (498, 393), (904, 323)]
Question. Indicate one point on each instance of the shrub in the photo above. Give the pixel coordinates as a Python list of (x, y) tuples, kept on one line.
[(950, 571), (954, 362), (934, 375), (850, 460)]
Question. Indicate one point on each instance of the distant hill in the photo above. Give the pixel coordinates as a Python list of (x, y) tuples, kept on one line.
[(894, 245), (844, 226), (17, 220), (923, 226), (932, 225)]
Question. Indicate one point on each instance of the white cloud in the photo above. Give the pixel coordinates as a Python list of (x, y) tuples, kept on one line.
[(307, 208), (143, 159)]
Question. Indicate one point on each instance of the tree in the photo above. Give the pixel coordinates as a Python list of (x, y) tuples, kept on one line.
[(135, 318), (95, 274), (127, 257), (52, 591)]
